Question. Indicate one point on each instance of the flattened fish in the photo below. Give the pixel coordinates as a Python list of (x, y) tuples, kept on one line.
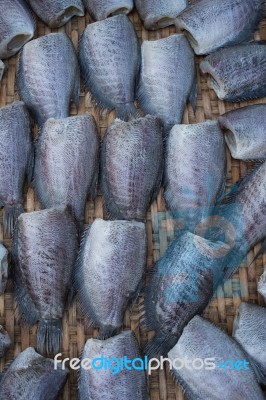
[(15, 160), (195, 173), (237, 73), (167, 78), (132, 166), (249, 332), (31, 376), (66, 163), (48, 76), (262, 285), (108, 8), (17, 26), (208, 374), (5, 341), (56, 13), (2, 68), (245, 132), (157, 14), (109, 59), (44, 252), (3, 268), (109, 271), (210, 24), (115, 382)]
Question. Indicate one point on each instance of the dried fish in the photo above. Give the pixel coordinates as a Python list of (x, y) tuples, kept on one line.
[(3, 268), (108, 8), (262, 284)]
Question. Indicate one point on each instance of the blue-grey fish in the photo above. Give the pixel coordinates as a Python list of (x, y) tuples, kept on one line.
[(44, 253), (109, 58), (56, 13), (245, 132), (66, 163), (237, 73), (2, 68), (108, 8), (5, 341), (210, 24), (249, 332), (117, 381), (207, 374), (15, 160), (157, 14), (32, 377), (167, 78), (109, 271), (132, 166), (3, 268), (17, 26), (48, 76), (262, 285)]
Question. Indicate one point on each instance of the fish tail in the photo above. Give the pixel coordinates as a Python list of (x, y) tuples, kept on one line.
[(126, 111), (160, 345), (107, 331), (49, 335), (10, 215)]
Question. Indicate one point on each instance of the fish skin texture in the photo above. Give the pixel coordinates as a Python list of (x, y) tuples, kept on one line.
[(262, 285), (17, 26), (102, 9), (3, 268), (5, 341), (2, 69), (48, 76)]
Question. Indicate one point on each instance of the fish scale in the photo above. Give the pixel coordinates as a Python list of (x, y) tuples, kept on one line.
[(101, 9)]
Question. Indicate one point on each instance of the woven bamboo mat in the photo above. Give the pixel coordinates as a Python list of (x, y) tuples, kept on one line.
[(243, 285)]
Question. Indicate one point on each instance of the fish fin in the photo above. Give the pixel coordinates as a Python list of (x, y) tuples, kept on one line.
[(107, 331), (10, 215), (126, 111), (194, 93), (95, 181), (259, 372), (49, 336), (76, 91), (160, 344), (30, 166)]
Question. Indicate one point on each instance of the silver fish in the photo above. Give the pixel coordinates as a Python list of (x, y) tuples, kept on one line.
[(109, 271), (210, 25), (262, 284), (17, 26), (249, 332), (2, 68), (66, 163), (207, 375), (237, 73), (15, 160), (3, 268), (5, 341), (195, 173), (109, 59), (31, 376), (157, 14), (44, 253), (132, 166), (112, 383), (245, 132), (56, 13), (48, 76), (167, 78), (108, 8)]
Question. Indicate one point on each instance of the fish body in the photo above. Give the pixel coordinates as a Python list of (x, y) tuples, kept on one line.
[(3, 268), (132, 165), (109, 271), (48, 76), (17, 27), (210, 25), (262, 284), (2, 68), (15, 160), (5, 341), (66, 162), (238, 72), (217, 379), (105, 8), (44, 252), (31, 376), (157, 14), (167, 78), (245, 132), (109, 59), (56, 13), (112, 383)]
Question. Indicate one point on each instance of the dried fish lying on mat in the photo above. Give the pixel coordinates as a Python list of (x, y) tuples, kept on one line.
[(109, 58), (115, 382), (109, 271), (108, 8), (238, 72), (2, 68), (132, 166), (5, 341), (262, 284), (213, 377), (3, 268), (15, 160), (249, 331), (17, 26), (66, 163), (157, 14), (56, 13), (167, 78), (44, 251), (245, 132), (210, 24), (195, 173), (48, 76), (31, 376)]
